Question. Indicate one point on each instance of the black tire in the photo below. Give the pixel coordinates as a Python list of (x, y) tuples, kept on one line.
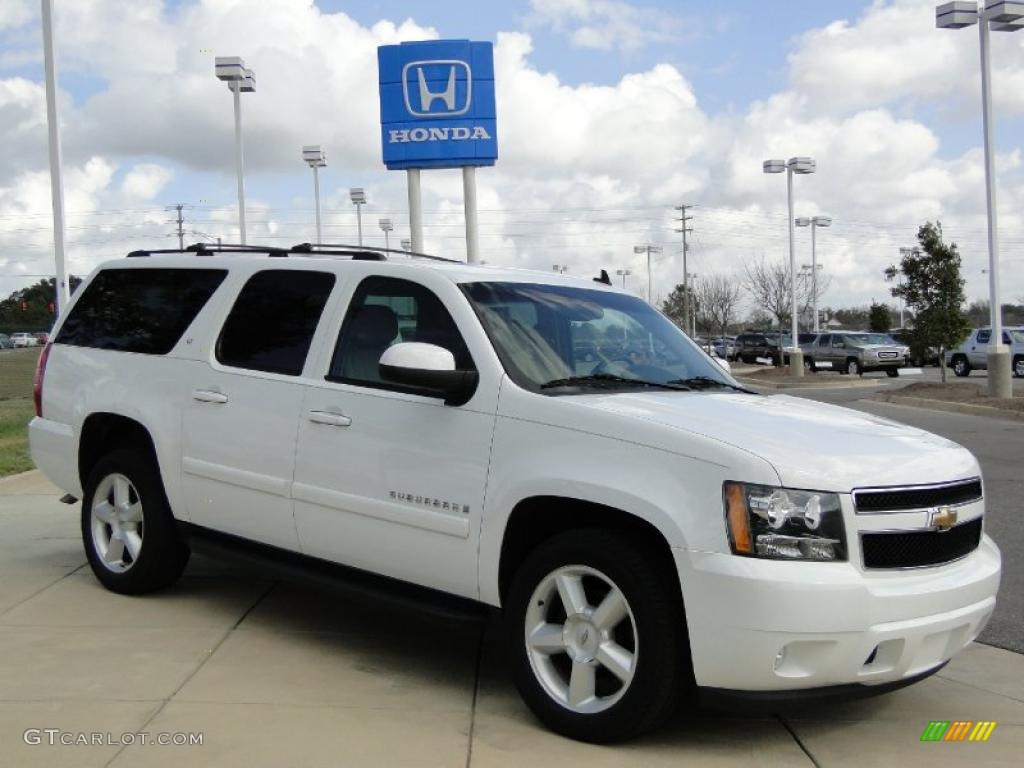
[(892, 373), (663, 673), (961, 366), (809, 365), (854, 367), (1018, 366), (162, 555)]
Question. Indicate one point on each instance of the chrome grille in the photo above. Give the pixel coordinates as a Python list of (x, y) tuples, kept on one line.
[(871, 500)]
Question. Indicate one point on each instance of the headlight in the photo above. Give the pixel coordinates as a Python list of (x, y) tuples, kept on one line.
[(783, 523)]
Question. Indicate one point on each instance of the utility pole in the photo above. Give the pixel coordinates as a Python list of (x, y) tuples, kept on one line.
[(181, 226), (683, 218)]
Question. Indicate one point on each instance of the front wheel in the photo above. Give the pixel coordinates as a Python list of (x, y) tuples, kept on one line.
[(961, 367), (892, 373), (130, 537), (1018, 366), (809, 365), (853, 367), (598, 637)]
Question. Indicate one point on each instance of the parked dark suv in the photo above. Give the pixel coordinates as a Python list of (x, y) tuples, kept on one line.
[(750, 346)]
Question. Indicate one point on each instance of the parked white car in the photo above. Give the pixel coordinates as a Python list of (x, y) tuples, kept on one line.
[(972, 354), (652, 531), (24, 340)]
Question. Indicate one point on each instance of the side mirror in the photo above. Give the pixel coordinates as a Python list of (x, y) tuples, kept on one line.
[(429, 368)]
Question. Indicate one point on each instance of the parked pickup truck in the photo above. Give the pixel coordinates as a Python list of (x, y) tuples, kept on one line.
[(972, 354), (652, 532)]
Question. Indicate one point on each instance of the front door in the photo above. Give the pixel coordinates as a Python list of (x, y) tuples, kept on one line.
[(386, 480), (239, 427)]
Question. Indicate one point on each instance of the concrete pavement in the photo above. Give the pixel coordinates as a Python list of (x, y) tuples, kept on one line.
[(274, 674)]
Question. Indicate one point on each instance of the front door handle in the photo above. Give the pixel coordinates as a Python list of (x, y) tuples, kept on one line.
[(209, 396), (330, 418)]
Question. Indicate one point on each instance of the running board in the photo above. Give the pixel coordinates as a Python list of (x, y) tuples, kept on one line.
[(293, 566)]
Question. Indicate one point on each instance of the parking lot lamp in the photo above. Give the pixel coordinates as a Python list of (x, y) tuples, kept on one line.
[(624, 273), (358, 196), (814, 222), (406, 244), (648, 249), (560, 268), (316, 159), (386, 226), (232, 70), (997, 16), (802, 166)]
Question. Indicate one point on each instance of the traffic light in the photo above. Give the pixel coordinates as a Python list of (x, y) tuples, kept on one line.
[(24, 305), (50, 307)]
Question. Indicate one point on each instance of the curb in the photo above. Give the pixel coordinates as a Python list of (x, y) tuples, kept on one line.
[(811, 384), (11, 478), (966, 409)]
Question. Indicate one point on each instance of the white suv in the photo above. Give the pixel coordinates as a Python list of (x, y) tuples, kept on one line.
[(551, 445)]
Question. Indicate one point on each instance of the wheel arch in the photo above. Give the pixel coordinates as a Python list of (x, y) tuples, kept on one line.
[(536, 519), (102, 432)]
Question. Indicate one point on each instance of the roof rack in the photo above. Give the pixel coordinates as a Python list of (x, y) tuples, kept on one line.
[(355, 252)]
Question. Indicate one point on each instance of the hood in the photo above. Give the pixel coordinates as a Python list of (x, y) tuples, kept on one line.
[(810, 444)]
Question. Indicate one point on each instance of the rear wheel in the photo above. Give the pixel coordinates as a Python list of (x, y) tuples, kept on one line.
[(809, 365), (128, 530), (961, 367), (853, 367), (1018, 366), (598, 636)]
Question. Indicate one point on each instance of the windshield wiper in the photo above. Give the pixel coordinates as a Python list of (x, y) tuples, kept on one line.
[(705, 382), (609, 379)]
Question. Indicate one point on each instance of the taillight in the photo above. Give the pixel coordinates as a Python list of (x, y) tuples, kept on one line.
[(37, 387)]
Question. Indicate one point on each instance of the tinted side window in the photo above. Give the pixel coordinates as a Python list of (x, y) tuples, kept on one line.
[(386, 311), (984, 336), (272, 323), (139, 310), (825, 341)]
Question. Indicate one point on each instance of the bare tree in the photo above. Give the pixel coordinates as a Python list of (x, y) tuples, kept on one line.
[(769, 284), (717, 298)]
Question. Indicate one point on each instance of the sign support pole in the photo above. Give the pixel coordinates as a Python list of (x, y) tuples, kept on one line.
[(472, 226), (412, 175)]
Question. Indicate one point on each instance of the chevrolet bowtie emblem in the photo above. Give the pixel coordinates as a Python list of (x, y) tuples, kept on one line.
[(942, 518)]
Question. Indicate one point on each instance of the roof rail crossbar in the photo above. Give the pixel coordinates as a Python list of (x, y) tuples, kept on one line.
[(205, 249), (342, 249)]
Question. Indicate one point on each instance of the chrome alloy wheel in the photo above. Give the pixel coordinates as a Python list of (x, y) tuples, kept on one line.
[(117, 522), (583, 653)]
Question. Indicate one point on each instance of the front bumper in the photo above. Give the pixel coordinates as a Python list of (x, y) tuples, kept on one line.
[(766, 625)]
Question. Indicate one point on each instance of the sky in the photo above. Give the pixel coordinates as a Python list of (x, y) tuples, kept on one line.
[(610, 114)]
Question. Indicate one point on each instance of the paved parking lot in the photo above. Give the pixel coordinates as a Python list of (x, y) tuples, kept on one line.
[(274, 674)]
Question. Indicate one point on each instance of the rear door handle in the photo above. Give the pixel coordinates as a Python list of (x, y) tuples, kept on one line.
[(329, 418), (209, 396)]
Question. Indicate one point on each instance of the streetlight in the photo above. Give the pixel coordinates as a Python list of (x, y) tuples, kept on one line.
[(358, 196), (232, 70), (1000, 17), (316, 158), (692, 304), (814, 223), (904, 252), (560, 268), (386, 226), (624, 273), (648, 249), (801, 165), (406, 244)]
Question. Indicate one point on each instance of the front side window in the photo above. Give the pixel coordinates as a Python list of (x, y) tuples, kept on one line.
[(564, 340), (139, 310), (273, 321), (825, 341), (386, 311)]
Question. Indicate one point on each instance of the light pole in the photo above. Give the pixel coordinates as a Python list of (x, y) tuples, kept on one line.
[(232, 70), (358, 196), (560, 268), (406, 244), (801, 165), (316, 158), (648, 249), (692, 305), (62, 293), (904, 252), (814, 223), (999, 17), (624, 273), (386, 226)]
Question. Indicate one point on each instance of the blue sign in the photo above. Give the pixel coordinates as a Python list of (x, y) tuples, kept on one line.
[(437, 104)]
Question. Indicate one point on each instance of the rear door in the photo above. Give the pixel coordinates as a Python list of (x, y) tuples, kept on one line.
[(977, 347), (240, 423)]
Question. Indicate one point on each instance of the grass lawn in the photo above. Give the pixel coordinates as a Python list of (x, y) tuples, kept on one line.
[(17, 367)]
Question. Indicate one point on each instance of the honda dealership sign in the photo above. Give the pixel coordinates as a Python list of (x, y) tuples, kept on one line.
[(437, 104)]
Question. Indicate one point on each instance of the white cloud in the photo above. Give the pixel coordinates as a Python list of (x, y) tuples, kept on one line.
[(145, 181), (606, 24)]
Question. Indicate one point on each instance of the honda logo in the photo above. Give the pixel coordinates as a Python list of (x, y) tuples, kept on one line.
[(416, 82)]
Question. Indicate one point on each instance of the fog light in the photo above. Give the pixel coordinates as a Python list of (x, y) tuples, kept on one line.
[(796, 548)]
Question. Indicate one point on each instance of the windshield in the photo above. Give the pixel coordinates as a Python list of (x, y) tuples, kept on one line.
[(556, 338), (1017, 336), (869, 338)]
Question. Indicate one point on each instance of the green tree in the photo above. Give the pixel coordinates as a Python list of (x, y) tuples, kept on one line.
[(878, 318), (28, 309), (673, 307), (934, 290)]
